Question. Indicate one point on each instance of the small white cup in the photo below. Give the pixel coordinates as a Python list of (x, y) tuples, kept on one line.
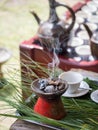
[(83, 50), (73, 79)]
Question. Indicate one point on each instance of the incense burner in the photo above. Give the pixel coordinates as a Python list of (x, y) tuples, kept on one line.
[(49, 103)]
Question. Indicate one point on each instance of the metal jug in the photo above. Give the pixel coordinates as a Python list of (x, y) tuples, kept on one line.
[(52, 33)]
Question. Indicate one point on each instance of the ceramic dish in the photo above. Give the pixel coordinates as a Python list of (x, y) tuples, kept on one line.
[(82, 27), (76, 26), (94, 96), (96, 2), (83, 50), (93, 8), (92, 26), (83, 89), (93, 19), (4, 55), (92, 3), (89, 9), (76, 42), (83, 35), (79, 19), (82, 14)]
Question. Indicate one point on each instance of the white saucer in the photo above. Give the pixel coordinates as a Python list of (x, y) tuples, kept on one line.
[(5, 54), (76, 42), (83, 89), (83, 50), (94, 96), (93, 19), (83, 35)]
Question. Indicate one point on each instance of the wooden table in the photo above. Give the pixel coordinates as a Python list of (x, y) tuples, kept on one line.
[(24, 125)]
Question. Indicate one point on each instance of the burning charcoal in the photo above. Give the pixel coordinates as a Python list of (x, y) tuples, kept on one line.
[(49, 89), (56, 88), (61, 86), (42, 86), (54, 81), (58, 82), (43, 83), (51, 85)]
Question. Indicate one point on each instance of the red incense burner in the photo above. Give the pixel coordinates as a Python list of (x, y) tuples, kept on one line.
[(49, 104)]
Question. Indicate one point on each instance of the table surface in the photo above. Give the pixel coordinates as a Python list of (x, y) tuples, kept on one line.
[(24, 125)]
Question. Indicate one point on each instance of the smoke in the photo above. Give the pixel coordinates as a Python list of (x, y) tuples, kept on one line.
[(54, 64)]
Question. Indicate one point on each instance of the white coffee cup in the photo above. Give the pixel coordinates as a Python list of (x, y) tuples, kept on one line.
[(73, 79)]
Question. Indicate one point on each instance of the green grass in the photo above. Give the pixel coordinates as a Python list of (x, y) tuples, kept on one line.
[(81, 112)]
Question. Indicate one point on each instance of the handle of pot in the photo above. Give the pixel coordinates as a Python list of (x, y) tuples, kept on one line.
[(71, 12)]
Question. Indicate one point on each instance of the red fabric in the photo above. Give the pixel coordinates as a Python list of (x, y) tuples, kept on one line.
[(87, 1), (64, 62), (75, 8)]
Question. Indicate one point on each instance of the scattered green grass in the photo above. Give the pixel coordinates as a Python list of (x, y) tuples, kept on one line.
[(82, 113)]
